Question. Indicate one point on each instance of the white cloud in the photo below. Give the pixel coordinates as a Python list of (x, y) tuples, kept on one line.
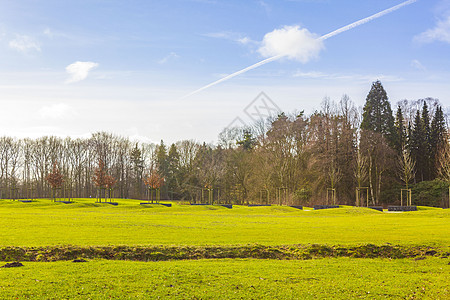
[(244, 40), (292, 41), (172, 55), (24, 43), (417, 65), (441, 33), (79, 70), (312, 74), (56, 111)]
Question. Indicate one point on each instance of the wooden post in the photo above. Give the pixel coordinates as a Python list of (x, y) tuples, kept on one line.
[(408, 197), (211, 196), (333, 195)]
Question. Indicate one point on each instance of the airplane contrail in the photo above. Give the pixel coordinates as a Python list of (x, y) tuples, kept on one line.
[(366, 20), (322, 38)]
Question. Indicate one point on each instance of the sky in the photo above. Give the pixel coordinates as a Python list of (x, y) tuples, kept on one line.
[(75, 67)]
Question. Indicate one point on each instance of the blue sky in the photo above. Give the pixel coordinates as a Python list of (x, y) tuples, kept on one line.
[(70, 68)]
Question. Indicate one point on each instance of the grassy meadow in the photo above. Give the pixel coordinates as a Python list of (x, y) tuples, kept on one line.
[(84, 223), (340, 278)]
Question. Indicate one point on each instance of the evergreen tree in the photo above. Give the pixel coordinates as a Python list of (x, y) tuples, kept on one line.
[(248, 141), (418, 146), (437, 139), (138, 168), (173, 165), (425, 151), (377, 115), (400, 132), (378, 139), (162, 165)]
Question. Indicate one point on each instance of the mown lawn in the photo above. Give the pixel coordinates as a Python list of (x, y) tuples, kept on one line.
[(44, 223), (331, 278), (86, 224)]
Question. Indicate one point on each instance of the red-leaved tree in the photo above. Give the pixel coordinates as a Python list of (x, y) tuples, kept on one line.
[(55, 179), (102, 180), (153, 181)]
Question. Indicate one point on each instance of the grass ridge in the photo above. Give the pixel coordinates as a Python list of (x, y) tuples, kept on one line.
[(165, 253)]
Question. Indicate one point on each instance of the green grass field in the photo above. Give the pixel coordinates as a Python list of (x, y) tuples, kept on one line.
[(45, 223), (341, 278), (86, 224)]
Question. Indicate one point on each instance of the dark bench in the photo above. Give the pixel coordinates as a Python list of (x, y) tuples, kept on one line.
[(164, 204), (325, 206), (402, 208)]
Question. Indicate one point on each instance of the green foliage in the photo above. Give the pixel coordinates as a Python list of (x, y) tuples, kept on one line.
[(401, 138), (248, 141), (419, 145), (377, 115), (430, 193), (437, 139)]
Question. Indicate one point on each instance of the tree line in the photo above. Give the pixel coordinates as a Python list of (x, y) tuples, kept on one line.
[(289, 158)]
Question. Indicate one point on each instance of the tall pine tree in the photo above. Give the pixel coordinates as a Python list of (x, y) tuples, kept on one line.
[(163, 165), (173, 167), (400, 140), (418, 147), (438, 133), (377, 115), (378, 139), (427, 142)]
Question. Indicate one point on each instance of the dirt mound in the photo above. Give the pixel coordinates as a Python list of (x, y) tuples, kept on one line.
[(13, 265)]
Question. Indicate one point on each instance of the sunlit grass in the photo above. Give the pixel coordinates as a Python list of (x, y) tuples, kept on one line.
[(340, 278), (45, 223)]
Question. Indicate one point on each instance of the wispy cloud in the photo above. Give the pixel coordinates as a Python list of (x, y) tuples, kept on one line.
[(441, 32), (293, 42), (24, 44), (49, 33), (170, 56), (79, 70), (353, 77), (231, 36), (416, 64), (265, 6), (205, 1)]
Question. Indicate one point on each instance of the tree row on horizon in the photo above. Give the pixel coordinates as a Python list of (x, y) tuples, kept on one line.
[(286, 159)]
